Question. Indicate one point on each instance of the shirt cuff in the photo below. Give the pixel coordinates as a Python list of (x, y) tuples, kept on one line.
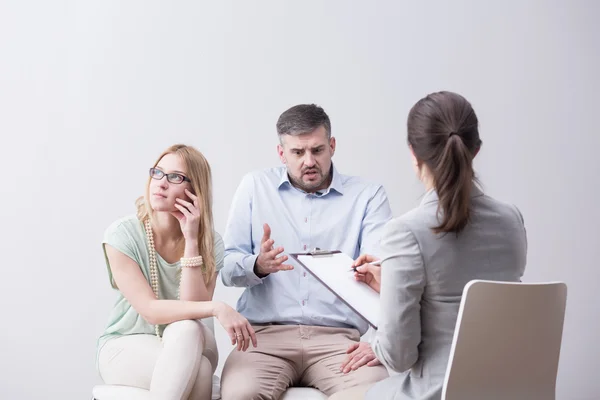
[(251, 277)]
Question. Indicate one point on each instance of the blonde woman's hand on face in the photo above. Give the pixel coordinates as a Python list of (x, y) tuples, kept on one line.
[(367, 272), (188, 216), (237, 326)]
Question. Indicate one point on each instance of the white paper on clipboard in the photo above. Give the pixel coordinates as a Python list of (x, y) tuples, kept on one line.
[(333, 270)]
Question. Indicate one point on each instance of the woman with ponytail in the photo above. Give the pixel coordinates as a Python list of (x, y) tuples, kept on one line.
[(429, 254)]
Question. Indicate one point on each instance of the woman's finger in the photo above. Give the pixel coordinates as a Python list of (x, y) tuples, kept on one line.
[(184, 210), (240, 339), (374, 362), (345, 362), (195, 202), (252, 334), (231, 334), (359, 362), (351, 361), (244, 330), (352, 347), (185, 203), (191, 195), (368, 269), (177, 215), (365, 258)]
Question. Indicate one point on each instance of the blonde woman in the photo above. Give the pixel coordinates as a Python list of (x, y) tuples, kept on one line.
[(164, 263)]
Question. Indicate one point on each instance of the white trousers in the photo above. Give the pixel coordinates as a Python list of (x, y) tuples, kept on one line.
[(179, 367)]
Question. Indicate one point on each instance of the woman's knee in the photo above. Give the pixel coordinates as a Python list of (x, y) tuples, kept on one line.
[(184, 331)]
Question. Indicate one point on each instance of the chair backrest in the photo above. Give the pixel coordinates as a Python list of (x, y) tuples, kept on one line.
[(507, 341)]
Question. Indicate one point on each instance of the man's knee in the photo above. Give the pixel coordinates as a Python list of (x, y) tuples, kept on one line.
[(367, 375), (239, 383), (249, 376), (246, 389), (354, 393)]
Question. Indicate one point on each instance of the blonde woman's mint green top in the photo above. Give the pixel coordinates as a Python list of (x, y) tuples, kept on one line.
[(129, 237)]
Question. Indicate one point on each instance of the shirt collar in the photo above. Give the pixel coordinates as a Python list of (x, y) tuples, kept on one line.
[(336, 181)]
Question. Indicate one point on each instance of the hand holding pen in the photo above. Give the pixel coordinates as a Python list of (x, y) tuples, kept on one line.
[(375, 263), (367, 269)]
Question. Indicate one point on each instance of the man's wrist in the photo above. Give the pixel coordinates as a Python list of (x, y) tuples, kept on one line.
[(256, 270)]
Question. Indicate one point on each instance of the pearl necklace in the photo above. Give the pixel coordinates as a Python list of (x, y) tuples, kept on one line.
[(185, 262), (154, 267)]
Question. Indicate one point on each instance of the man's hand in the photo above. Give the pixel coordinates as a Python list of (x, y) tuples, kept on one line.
[(359, 354), (267, 261)]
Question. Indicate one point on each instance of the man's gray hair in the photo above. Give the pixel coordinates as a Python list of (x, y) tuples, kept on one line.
[(303, 118)]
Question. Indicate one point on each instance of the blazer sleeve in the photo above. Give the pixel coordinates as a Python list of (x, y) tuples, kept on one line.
[(402, 284)]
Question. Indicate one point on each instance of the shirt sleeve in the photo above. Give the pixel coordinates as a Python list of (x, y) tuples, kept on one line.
[(377, 214), (238, 268)]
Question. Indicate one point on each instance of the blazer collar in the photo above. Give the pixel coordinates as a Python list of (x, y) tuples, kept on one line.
[(431, 195)]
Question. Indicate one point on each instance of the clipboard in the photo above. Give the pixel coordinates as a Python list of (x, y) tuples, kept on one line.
[(332, 269)]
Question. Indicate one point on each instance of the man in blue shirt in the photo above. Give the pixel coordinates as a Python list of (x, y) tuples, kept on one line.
[(306, 335)]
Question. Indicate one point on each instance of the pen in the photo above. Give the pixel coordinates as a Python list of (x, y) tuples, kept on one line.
[(376, 263)]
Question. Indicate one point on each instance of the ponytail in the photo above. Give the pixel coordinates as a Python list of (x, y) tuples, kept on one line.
[(443, 134), (453, 179)]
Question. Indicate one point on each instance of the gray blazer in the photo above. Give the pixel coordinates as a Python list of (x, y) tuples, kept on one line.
[(423, 276)]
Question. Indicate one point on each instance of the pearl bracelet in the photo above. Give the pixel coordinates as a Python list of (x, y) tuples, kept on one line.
[(191, 262)]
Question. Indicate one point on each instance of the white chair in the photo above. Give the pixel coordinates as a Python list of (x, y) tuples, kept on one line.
[(111, 392), (114, 392), (303, 393), (507, 342), (118, 392)]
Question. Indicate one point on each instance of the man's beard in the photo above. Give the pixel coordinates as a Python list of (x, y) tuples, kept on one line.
[(299, 183)]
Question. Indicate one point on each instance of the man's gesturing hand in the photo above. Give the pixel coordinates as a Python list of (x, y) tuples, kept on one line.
[(267, 261)]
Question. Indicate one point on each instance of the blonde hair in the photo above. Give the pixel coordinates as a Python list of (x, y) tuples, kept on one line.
[(199, 173)]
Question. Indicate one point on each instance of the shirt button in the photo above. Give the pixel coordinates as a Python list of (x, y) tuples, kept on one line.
[(305, 219), (303, 302), (304, 247), (304, 274)]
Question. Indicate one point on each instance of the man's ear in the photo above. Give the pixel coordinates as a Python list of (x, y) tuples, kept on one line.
[(332, 145), (281, 153)]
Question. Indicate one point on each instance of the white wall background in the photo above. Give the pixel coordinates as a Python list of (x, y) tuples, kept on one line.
[(92, 92)]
